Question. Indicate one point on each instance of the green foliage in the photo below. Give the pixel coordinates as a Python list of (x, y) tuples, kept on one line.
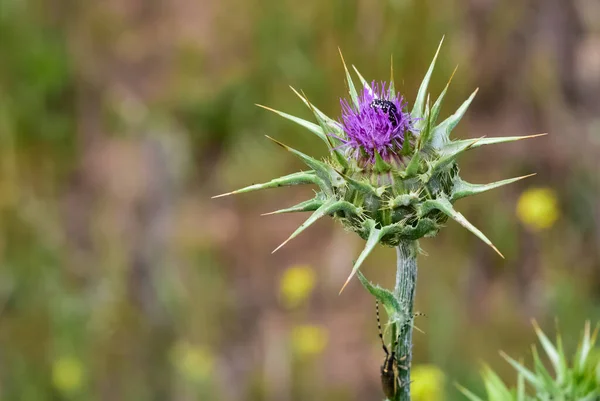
[(575, 380)]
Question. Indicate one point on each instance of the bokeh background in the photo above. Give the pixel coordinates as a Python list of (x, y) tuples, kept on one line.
[(120, 279)]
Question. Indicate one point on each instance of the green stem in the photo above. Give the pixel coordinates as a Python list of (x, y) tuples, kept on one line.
[(404, 292)]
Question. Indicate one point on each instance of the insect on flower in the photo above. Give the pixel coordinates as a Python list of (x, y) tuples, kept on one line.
[(388, 108), (390, 381)]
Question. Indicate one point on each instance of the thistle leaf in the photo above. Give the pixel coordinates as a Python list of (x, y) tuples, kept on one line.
[(329, 207), (585, 347), (435, 110), (351, 88), (527, 374), (307, 206), (443, 205), (467, 393), (593, 396), (406, 147), (563, 365), (496, 389), (417, 110), (412, 169), (450, 153), (541, 371), (520, 387), (375, 235), (487, 141), (341, 159), (385, 297), (322, 170), (331, 123), (362, 80), (360, 186), (381, 166), (549, 348), (426, 227), (314, 128), (441, 134), (300, 178), (463, 189)]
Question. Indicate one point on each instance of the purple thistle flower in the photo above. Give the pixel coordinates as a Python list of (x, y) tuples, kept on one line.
[(379, 125)]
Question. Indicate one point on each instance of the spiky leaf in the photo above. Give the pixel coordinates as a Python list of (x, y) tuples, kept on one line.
[(417, 110)]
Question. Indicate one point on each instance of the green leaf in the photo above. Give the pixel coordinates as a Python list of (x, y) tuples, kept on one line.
[(307, 206), (375, 235), (563, 366), (322, 170), (314, 128), (425, 227), (381, 166), (520, 387), (467, 393), (486, 141), (329, 207), (300, 178), (351, 88), (412, 169), (339, 157), (385, 297), (417, 110), (443, 205), (585, 347), (364, 187), (549, 348), (462, 189), (541, 372), (441, 133), (593, 396), (407, 149), (496, 389), (362, 80), (435, 111), (331, 123), (527, 374), (448, 154)]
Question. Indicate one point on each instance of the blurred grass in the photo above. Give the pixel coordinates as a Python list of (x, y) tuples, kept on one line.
[(121, 280)]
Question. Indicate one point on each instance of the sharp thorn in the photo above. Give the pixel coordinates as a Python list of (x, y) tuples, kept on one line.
[(221, 195)]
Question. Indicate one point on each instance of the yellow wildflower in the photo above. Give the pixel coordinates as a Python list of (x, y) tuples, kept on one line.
[(296, 285), (428, 383), (309, 340), (538, 209), (67, 374), (195, 363)]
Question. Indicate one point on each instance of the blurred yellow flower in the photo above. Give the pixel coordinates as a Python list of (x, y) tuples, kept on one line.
[(296, 285), (195, 363), (309, 340), (67, 374), (538, 209), (428, 383)]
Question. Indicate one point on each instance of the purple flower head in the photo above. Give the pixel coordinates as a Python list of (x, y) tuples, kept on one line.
[(378, 125)]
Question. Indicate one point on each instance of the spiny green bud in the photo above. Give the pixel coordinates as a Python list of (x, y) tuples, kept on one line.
[(392, 175)]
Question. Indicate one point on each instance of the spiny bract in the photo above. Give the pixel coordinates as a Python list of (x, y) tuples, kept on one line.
[(574, 380), (392, 175)]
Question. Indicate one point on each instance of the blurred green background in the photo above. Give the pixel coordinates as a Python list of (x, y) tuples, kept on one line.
[(120, 279)]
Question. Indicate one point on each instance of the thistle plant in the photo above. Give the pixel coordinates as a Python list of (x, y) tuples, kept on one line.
[(577, 380), (391, 177)]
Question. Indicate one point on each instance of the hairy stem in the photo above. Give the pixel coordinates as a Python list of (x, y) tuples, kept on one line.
[(404, 291)]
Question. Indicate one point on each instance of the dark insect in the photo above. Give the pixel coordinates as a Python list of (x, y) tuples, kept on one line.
[(390, 382), (388, 108)]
